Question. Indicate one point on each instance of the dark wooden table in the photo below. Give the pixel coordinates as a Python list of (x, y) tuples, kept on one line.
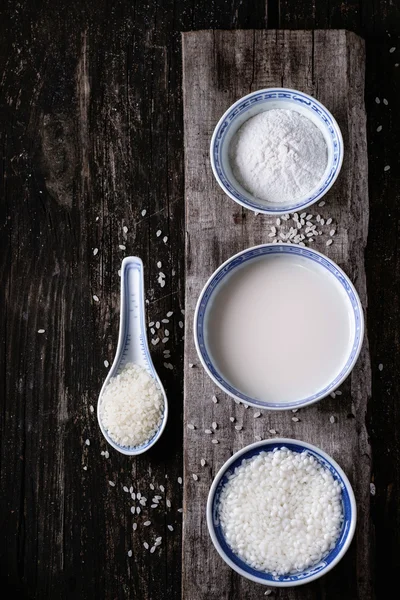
[(91, 137)]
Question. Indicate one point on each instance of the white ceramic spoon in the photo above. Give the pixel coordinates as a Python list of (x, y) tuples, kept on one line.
[(132, 344)]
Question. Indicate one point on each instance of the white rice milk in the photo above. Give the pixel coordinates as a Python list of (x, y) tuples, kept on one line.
[(280, 328)]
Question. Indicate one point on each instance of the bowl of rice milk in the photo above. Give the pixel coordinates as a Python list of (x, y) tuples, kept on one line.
[(278, 326), (281, 512), (276, 151)]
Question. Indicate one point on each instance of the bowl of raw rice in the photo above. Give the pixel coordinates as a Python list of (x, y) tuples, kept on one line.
[(281, 512)]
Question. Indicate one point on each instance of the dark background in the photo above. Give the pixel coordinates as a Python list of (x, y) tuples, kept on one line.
[(91, 126)]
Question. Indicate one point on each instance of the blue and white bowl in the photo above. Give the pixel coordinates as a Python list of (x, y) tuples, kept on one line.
[(294, 579), (251, 105), (219, 277)]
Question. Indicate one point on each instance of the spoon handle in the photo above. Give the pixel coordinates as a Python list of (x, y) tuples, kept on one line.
[(132, 343)]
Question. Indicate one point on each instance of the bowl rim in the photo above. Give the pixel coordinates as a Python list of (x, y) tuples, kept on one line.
[(287, 209), (286, 406), (283, 441)]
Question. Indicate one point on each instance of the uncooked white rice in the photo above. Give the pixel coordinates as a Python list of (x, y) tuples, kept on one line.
[(281, 511), (132, 407)]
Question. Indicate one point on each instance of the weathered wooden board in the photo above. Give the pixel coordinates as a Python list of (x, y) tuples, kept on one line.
[(219, 68)]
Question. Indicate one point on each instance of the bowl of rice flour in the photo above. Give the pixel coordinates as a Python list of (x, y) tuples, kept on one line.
[(281, 512), (276, 151)]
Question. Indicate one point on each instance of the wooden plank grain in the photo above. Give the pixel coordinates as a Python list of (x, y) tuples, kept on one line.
[(218, 68), (90, 161)]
